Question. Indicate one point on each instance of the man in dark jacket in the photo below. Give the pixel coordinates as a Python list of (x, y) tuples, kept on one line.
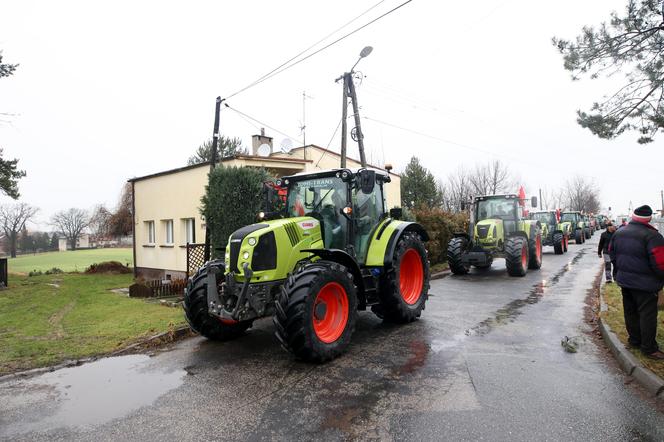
[(603, 250), (637, 255)]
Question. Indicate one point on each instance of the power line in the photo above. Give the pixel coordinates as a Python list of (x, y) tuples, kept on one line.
[(259, 79), (260, 122), (330, 142), (281, 68)]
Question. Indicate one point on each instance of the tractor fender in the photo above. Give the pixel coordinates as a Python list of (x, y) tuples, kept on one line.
[(461, 235), (343, 258), (397, 234), (523, 234)]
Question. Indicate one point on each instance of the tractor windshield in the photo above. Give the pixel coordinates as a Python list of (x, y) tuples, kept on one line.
[(497, 208), (544, 217), (323, 199), (569, 217)]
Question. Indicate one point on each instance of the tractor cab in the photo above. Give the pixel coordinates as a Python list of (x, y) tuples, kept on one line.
[(348, 204), (503, 208)]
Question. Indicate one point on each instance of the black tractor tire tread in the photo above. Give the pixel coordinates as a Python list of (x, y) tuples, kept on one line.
[(513, 247), (293, 327), (558, 246), (196, 310), (393, 306), (578, 236), (455, 250), (533, 262)]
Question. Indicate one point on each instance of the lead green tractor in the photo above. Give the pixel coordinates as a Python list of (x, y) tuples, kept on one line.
[(332, 251), (555, 232), (497, 230), (578, 226)]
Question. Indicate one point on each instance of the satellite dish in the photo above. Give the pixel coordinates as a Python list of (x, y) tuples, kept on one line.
[(264, 150), (286, 145)]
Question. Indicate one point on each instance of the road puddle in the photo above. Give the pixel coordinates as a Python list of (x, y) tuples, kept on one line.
[(90, 394)]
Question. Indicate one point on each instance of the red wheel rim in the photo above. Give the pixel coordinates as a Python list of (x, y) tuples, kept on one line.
[(330, 312), (411, 276), (524, 256)]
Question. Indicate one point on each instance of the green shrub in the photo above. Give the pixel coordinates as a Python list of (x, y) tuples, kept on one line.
[(35, 273), (53, 271), (232, 200), (440, 225)]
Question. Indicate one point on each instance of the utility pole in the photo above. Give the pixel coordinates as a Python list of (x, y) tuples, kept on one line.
[(213, 163), (542, 201), (349, 91)]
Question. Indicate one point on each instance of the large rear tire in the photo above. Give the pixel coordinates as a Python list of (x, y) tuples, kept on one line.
[(578, 236), (196, 309), (316, 311), (406, 285), (535, 252), (558, 243), (455, 249), (516, 255)]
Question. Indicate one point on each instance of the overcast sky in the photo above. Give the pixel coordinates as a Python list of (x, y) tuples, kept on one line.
[(109, 91)]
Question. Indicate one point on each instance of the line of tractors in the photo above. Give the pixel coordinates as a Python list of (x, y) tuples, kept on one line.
[(334, 249)]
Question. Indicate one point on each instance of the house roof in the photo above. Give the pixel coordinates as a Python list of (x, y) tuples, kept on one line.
[(253, 157)]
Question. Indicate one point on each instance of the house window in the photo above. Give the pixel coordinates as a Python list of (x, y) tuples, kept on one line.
[(149, 227), (168, 228), (189, 230)]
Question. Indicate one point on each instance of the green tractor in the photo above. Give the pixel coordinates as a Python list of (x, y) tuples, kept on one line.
[(579, 229), (497, 229), (332, 251), (554, 231)]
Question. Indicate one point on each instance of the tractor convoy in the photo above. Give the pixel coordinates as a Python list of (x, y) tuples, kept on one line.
[(554, 231)]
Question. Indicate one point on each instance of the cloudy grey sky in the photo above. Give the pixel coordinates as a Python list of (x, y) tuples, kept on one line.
[(107, 91)]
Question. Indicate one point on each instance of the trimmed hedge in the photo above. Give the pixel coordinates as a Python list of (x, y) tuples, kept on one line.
[(232, 200), (440, 225)]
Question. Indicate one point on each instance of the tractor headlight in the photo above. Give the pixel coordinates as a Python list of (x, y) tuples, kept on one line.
[(252, 241), (245, 255)]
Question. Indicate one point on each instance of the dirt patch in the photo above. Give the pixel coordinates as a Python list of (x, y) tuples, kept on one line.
[(56, 320), (108, 267)]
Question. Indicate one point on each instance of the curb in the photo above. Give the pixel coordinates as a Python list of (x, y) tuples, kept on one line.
[(441, 275), (652, 383), (177, 333)]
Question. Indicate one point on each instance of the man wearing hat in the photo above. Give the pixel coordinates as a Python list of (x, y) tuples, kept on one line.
[(637, 255)]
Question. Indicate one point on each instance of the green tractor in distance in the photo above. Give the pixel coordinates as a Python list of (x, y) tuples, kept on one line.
[(578, 226), (554, 232), (497, 229), (332, 251)]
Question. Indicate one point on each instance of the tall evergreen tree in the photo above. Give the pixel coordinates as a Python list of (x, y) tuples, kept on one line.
[(226, 147), (419, 187)]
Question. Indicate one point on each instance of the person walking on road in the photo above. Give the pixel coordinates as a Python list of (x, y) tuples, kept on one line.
[(637, 255), (603, 250)]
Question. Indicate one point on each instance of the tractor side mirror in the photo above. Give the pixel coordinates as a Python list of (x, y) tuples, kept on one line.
[(533, 201), (396, 213), (463, 206), (366, 180)]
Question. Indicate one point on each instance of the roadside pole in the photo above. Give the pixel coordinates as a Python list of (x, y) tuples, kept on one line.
[(213, 162)]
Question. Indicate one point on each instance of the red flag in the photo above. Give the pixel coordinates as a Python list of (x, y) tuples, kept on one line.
[(522, 197)]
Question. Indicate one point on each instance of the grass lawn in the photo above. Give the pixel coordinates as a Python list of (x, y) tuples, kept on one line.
[(614, 317), (47, 319), (69, 261)]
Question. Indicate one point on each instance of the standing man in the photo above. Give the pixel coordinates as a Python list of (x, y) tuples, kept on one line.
[(603, 250), (637, 255)]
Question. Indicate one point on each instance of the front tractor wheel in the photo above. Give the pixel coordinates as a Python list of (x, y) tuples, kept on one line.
[(196, 309), (516, 255), (316, 311), (455, 250), (578, 236), (535, 252), (406, 285), (558, 243)]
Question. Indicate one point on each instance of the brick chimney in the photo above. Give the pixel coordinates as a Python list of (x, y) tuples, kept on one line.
[(257, 140)]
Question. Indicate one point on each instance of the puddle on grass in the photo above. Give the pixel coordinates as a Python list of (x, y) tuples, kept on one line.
[(90, 394)]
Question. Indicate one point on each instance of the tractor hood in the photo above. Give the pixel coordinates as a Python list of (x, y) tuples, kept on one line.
[(488, 231), (272, 248)]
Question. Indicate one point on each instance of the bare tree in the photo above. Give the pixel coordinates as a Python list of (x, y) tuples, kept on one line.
[(71, 223), (552, 199), (122, 221), (582, 195), (457, 190), (100, 222), (13, 219), (492, 178)]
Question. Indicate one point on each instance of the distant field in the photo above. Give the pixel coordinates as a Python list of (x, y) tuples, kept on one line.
[(70, 261)]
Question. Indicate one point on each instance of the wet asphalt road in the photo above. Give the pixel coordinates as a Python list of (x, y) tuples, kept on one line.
[(483, 363)]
